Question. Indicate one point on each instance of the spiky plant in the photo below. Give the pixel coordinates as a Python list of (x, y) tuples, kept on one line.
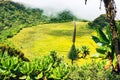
[(73, 53)]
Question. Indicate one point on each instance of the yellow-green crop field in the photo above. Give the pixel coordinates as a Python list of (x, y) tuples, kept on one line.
[(39, 40)]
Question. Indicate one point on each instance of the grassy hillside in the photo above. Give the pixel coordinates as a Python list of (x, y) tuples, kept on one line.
[(40, 40)]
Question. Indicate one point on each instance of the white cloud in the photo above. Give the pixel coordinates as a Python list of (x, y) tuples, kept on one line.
[(78, 7)]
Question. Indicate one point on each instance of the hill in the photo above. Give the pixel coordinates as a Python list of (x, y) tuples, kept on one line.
[(15, 16)]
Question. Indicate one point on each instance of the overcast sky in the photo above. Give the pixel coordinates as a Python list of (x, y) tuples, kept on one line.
[(78, 7)]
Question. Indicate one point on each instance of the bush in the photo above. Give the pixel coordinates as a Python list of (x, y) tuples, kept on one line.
[(12, 52), (92, 71)]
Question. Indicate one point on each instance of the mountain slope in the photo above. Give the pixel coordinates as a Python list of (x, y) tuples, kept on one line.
[(15, 16)]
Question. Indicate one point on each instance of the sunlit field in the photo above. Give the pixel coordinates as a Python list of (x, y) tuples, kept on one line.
[(39, 40)]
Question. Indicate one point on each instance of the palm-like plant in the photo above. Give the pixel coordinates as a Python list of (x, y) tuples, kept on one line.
[(104, 42), (105, 47), (85, 51)]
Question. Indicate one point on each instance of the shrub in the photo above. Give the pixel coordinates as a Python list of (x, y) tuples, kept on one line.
[(85, 51), (92, 71)]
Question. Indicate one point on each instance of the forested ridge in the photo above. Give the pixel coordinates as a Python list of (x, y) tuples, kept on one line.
[(15, 16)]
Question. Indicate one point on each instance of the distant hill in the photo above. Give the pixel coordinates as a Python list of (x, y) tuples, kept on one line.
[(15, 16), (14, 13)]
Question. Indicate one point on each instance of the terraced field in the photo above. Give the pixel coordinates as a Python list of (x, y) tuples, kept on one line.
[(39, 40)]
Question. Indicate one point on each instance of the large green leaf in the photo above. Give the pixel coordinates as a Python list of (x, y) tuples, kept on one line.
[(101, 50), (108, 33), (26, 68), (13, 62), (2, 71), (102, 36), (39, 76), (98, 55), (96, 39), (49, 67), (5, 63), (23, 77)]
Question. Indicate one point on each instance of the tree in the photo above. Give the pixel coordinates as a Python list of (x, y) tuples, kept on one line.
[(66, 16), (111, 14), (63, 16)]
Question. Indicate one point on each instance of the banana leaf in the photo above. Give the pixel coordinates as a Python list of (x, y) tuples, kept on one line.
[(101, 50), (98, 41), (102, 36)]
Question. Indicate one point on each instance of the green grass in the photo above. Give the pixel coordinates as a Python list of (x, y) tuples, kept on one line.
[(39, 40)]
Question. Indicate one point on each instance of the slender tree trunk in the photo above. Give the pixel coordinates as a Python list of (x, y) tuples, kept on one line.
[(111, 13)]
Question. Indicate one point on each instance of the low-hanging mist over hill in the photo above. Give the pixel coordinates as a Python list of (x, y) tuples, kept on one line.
[(15, 16), (78, 7)]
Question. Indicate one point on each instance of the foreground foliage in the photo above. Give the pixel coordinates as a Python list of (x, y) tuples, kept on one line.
[(51, 67)]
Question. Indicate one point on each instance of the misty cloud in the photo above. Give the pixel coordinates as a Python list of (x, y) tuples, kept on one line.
[(78, 7)]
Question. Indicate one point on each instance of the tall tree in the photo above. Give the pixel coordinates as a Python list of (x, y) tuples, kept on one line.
[(110, 8)]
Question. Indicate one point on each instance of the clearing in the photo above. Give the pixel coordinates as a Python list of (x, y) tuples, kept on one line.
[(39, 40)]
